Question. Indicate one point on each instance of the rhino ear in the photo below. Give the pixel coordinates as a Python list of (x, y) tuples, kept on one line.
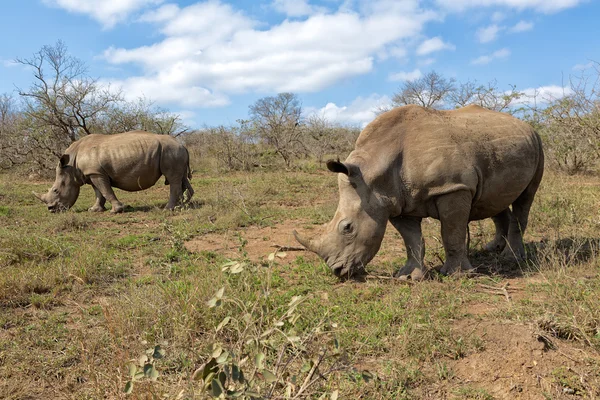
[(64, 160), (337, 167)]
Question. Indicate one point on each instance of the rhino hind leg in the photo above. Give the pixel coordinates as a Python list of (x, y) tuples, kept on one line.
[(187, 187), (518, 223), (102, 184), (410, 230), (520, 215), (175, 195), (453, 210), (502, 223)]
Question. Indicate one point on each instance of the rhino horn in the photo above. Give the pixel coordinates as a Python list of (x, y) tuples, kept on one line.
[(309, 244), (39, 196)]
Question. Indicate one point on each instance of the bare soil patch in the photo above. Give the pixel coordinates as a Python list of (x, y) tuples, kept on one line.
[(516, 362), (254, 243)]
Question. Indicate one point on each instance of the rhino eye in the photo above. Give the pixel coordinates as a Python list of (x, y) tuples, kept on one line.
[(346, 227)]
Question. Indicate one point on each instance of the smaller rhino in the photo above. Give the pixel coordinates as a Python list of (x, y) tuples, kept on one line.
[(130, 161)]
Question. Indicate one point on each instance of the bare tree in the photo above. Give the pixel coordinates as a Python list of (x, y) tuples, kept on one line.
[(14, 147), (63, 103), (325, 138), (431, 90), (571, 124), (487, 96), (143, 115), (277, 122)]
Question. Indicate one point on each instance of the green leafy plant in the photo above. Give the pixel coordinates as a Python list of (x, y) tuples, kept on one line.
[(269, 356), (144, 367)]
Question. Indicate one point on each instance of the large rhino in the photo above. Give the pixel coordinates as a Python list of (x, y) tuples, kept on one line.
[(455, 166), (130, 161)]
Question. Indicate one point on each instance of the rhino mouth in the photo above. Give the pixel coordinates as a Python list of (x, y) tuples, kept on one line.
[(55, 208), (347, 271)]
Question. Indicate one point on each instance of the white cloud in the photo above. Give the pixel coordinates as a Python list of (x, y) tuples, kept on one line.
[(544, 6), (489, 33), (188, 117), (406, 76), (164, 90), (295, 8), (161, 14), (583, 67), (432, 45), (360, 112), (217, 50), (425, 62), (521, 26), (502, 53), (498, 16), (9, 63), (543, 94), (107, 12), (396, 51)]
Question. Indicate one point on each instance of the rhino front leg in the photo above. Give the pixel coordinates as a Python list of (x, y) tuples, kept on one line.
[(410, 230), (453, 210), (100, 201), (102, 184), (502, 222)]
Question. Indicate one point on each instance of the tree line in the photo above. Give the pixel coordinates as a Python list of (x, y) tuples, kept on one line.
[(64, 104)]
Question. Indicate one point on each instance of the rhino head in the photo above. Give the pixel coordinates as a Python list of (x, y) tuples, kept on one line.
[(65, 190), (355, 234)]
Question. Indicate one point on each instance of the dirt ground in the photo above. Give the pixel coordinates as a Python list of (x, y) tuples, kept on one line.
[(256, 242), (515, 361)]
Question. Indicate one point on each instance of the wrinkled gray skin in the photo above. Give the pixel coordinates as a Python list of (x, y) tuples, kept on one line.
[(455, 166), (129, 161)]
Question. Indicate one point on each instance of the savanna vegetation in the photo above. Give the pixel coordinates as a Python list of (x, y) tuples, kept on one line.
[(216, 299)]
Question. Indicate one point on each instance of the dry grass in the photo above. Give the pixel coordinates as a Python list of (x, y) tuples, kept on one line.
[(83, 295)]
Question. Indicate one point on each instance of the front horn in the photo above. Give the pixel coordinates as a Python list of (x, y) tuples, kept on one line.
[(39, 196), (307, 243)]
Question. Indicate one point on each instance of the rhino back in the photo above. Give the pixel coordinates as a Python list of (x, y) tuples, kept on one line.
[(132, 160), (426, 153)]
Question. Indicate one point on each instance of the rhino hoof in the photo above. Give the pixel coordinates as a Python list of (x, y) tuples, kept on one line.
[(518, 255), (405, 273), (96, 209), (495, 246)]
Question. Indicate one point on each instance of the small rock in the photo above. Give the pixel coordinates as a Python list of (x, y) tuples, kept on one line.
[(568, 390)]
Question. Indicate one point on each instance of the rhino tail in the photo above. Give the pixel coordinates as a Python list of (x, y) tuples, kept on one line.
[(189, 170)]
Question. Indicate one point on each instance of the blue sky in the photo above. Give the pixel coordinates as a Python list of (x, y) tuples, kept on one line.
[(209, 60)]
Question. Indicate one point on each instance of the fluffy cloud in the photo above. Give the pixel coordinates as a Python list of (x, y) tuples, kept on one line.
[(107, 12), (543, 94), (167, 90), (489, 33), (583, 67), (218, 50), (544, 6), (498, 16), (295, 8), (486, 59), (433, 45), (521, 26), (406, 76), (425, 62), (360, 112)]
